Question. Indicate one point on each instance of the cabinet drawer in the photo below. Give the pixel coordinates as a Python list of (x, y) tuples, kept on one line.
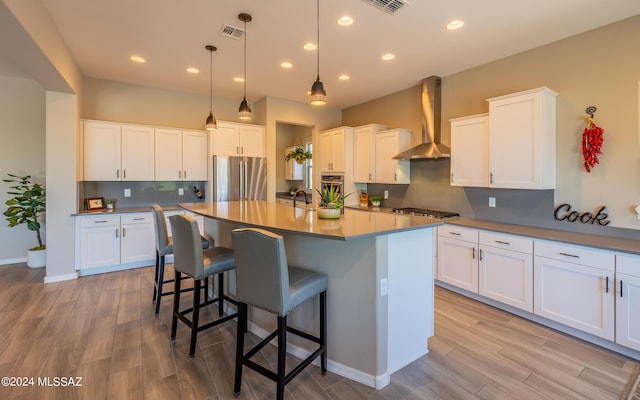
[(628, 264), (137, 218), (456, 232), (101, 220), (504, 241), (576, 254)]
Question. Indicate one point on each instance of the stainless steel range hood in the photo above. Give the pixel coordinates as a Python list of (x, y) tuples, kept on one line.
[(430, 146)]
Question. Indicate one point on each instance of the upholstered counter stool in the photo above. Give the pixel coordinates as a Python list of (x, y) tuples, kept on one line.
[(190, 259), (164, 247), (264, 280)]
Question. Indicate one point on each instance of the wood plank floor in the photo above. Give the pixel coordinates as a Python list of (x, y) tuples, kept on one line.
[(102, 328)]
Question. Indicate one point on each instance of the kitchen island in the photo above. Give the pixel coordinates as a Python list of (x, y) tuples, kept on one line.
[(380, 269)]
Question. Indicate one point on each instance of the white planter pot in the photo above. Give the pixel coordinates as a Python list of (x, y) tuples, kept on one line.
[(328, 213), (36, 258)]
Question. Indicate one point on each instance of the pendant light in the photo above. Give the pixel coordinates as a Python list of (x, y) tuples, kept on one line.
[(244, 112), (211, 124), (318, 94)]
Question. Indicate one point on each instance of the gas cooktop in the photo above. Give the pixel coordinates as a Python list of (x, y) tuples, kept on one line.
[(425, 213)]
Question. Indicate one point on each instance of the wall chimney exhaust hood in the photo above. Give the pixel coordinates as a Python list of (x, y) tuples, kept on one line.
[(430, 146)]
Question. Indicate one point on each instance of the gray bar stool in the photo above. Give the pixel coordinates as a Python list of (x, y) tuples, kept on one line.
[(190, 259), (264, 280), (164, 247)]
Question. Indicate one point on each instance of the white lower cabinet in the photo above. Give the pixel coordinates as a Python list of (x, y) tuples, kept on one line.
[(113, 240), (506, 269), (574, 285), (628, 301), (458, 257)]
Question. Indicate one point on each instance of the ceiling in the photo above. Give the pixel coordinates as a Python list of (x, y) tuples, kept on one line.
[(172, 35)]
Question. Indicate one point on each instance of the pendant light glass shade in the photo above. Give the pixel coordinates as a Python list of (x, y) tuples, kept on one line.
[(244, 111), (211, 124), (318, 94)]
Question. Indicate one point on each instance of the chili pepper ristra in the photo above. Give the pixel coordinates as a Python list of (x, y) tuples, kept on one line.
[(592, 140)]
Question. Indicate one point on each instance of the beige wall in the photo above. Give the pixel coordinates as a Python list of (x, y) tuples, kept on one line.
[(22, 122), (599, 67)]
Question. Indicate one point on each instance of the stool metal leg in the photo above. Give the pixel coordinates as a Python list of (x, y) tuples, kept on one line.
[(159, 282), (155, 284), (323, 332), (241, 329), (282, 355), (176, 304), (220, 294), (195, 317)]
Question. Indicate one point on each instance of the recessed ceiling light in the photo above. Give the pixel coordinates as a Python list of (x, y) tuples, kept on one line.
[(388, 57), (345, 21), (193, 70), (137, 59), (238, 79), (309, 46), (286, 65), (344, 77), (455, 24)]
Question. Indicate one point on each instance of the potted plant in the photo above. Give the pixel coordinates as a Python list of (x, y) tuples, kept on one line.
[(375, 200), (299, 154), (110, 204), (331, 202), (25, 207), (293, 190)]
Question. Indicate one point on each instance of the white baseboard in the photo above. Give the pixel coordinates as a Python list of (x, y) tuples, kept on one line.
[(60, 278), (8, 261)]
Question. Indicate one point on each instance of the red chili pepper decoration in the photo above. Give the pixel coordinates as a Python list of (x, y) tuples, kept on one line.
[(592, 140)]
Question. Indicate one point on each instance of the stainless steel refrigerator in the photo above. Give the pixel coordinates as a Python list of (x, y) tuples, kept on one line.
[(239, 178)]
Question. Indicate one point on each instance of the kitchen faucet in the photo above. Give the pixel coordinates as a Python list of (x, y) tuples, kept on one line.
[(306, 201)]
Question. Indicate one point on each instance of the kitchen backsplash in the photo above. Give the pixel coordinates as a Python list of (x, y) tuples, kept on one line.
[(142, 193)]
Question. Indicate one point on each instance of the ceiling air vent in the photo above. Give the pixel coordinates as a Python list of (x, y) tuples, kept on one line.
[(231, 31), (388, 6)]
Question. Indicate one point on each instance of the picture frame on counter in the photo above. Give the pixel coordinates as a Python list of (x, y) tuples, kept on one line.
[(95, 203)]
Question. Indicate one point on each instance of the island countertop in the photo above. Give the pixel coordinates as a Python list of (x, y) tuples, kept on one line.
[(353, 224)]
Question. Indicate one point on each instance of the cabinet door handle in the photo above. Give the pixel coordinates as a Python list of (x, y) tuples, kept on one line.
[(452, 177), (369, 175), (569, 255), (621, 288), (454, 233), (501, 242), (473, 256), (395, 176), (117, 233), (184, 175), (118, 173), (179, 176), (481, 254), (491, 177), (123, 232), (606, 284), (237, 149), (124, 174)]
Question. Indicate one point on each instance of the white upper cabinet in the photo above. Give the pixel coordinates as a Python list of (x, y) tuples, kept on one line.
[(115, 152), (522, 137), (470, 151), (293, 171), (180, 155), (333, 148), (388, 144), (231, 139), (364, 152)]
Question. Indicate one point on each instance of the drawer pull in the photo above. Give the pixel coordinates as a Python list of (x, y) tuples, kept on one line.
[(568, 255), (454, 233), (100, 222), (474, 253), (620, 287), (139, 219), (501, 242), (606, 287)]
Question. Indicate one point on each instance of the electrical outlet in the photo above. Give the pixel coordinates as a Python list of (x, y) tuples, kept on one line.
[(492, 201), (384, 287), (386, 194), (180, 192), (127, 193)]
